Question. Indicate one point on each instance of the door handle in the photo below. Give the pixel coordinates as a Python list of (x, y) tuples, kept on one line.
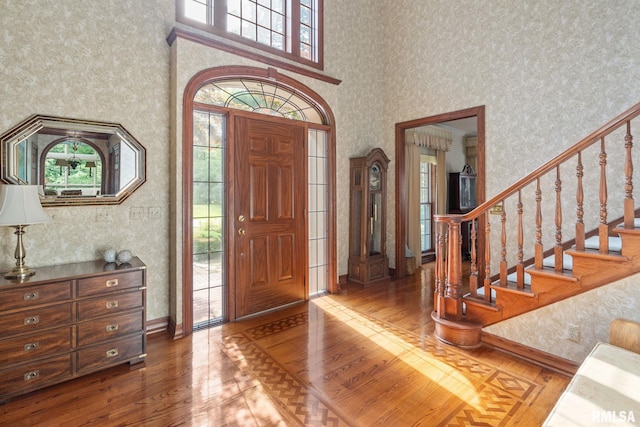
[(241, 218), (242, 232)]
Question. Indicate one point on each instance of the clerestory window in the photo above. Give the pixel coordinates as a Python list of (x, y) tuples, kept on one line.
[(289, 28)]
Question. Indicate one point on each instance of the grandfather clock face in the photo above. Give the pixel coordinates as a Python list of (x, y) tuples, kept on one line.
[(375, 180)]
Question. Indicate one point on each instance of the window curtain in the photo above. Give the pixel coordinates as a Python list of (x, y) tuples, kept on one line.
[(436, 139)]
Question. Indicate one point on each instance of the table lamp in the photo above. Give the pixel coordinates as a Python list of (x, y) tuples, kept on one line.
[(20, 206)]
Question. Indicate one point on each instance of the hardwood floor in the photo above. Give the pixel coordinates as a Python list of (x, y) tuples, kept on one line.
[(365, 357)]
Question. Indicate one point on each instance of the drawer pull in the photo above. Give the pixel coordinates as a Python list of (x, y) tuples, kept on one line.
[(30, 296), (111, 283), (33, 320), (111, 328), (112, 353), (31, 346), (112, 304), (31, 375)]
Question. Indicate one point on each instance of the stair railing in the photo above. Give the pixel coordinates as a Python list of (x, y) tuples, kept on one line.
[(448, 298)]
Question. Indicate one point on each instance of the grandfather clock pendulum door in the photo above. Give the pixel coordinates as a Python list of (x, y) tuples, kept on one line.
[(368, 261)]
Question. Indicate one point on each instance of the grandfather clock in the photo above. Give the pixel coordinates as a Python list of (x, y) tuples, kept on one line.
[(368, 261)]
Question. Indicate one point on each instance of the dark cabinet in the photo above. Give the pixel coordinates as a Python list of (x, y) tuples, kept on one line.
[(462, 192), (462, 199)]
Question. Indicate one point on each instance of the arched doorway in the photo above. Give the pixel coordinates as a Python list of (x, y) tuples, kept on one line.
[(258, 194)]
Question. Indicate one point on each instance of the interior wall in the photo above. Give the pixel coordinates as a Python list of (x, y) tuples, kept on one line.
[(96, 60)]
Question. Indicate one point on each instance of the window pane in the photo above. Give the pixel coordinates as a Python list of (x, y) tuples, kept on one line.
[(305, 16), (196, 10), (249, 30), (264, 17), (233, 7), (277, 5), (264, 36), (305, 35), (277, 22), (277, 41), (248, 11), (233, 24)]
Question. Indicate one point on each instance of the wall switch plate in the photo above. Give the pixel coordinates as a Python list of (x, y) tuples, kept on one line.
[(136, 214), (103, 214), (155, 212)]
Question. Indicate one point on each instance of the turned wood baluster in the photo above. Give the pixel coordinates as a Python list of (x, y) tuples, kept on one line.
[(487, 259), (503, 242), (629, 206), (538, 245), (473, 273), (557, 250), (520, 265), (580, 205), (439, 273), (603, 230), (452, 297)]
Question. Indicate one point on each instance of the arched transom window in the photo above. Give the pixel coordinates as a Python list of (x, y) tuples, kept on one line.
[(261, 97)]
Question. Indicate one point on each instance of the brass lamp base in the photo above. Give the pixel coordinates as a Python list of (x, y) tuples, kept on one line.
[(19, 272)]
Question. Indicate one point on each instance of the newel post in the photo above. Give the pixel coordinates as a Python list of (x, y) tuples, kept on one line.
[(451, 327), (452, 297)]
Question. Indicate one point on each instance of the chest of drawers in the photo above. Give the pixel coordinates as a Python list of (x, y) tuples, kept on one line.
[(70, 320)]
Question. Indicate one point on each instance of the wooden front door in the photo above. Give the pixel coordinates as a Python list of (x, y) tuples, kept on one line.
[(270, 250)]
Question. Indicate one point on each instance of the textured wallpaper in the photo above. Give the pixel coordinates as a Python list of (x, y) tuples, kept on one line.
[(98, 60), (548, 73)]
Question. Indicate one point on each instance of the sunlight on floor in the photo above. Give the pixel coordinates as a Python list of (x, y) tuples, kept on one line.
[(408, 353)]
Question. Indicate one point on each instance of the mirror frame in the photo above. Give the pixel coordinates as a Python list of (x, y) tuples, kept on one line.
[(32, 125)]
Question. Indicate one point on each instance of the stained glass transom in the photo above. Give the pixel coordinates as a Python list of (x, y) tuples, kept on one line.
[(260, 97)]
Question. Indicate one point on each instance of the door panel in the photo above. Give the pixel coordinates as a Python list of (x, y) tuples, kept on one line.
[(270, 199)]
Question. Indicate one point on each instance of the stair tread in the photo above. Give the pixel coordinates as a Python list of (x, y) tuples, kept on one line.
[(595, 253), (490, 305), (550, 271), (513, 287)]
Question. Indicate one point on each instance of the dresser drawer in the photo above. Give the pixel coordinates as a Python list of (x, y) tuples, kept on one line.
[(113, 303), (110, 283), (35, 346), (107, 354), (30, 296), (108, 328), (35, 319), (31, 376)]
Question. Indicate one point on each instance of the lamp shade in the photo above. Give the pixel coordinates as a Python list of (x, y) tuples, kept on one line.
[(20, 205)]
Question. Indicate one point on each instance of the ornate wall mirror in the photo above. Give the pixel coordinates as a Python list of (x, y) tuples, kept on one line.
[(75, 162)]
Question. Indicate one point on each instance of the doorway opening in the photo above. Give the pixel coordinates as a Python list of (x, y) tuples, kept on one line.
[(259, 232), (447, 145)]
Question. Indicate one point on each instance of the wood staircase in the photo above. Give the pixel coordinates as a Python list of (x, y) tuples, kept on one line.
[(608, 252)]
